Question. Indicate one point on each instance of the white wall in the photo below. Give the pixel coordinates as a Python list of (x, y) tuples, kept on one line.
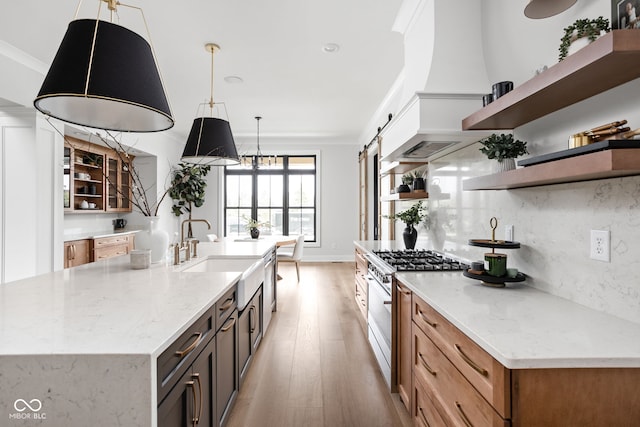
[(552, 223), (337, 198)]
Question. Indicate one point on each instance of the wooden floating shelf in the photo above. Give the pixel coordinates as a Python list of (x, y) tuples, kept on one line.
[(599, 165), (405, 196), (400, 167), (610, 61)]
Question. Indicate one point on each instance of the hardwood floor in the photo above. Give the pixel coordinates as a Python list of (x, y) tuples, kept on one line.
[(314, 367)]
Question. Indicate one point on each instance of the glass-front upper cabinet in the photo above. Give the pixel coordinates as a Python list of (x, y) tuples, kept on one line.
[(66, 179), (118, 183)]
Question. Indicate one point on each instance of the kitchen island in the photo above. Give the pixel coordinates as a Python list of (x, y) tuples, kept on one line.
[(80, 346)]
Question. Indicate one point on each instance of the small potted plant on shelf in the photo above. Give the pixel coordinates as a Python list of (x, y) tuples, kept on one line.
[(407, 180), (581, 33), (503, 148), (418, 181), (411, 217), (253, 226)]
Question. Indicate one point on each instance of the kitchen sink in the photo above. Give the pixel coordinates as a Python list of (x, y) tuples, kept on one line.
[(253, 274)]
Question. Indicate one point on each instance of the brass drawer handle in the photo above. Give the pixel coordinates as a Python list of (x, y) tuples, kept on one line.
[(463, 415), (429, 322), (424, 418), (191, 385), (426, 365), (194, 344), (470, 362), (196, 418), (227, 304), (226, 328)]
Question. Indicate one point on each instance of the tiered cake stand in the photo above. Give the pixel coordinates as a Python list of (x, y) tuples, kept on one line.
[(485, 278)]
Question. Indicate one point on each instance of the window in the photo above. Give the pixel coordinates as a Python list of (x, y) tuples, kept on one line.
[(282, 192)]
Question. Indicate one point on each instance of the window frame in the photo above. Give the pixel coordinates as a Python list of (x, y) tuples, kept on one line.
[(285, 172)]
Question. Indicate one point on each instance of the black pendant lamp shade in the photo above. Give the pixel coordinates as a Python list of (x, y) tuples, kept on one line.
[(104, 76), (210, 142)]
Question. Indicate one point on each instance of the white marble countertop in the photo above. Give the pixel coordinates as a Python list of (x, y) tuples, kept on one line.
[(96, 234), (105, 307), (237, 247), (523, 327)]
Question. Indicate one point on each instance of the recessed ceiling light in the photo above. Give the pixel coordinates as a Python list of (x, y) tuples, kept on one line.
[(233, 79), (330, 48)]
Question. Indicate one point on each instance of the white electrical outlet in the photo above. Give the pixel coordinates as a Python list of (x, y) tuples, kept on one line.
[(508, 233), (600, 245)]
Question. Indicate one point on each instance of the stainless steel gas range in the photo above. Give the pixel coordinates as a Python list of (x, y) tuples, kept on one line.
[(383, 264)]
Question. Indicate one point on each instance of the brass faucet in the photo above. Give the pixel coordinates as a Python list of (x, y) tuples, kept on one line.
[(191, 220)]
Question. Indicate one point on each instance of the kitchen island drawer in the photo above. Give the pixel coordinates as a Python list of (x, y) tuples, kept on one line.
[(180, 354), (225, 306), (459, 400), (425, 413), (486, 374)]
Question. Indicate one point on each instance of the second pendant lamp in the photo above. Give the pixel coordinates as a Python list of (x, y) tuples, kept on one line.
[(210, 140)]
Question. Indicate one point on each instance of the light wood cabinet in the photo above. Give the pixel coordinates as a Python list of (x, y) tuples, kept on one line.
[(361, 287), (457, 383), (118, 183), (108, 247), (97, 175), (77, 252), (403, 342)]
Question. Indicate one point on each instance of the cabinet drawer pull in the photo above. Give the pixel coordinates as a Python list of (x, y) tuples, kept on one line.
[(429, 322), (196, 419), (194, 344), (252, 326), (225, 328), (190, 384), (226, 305), (463, 415), (470, 362), (424, 418), (426, 365)]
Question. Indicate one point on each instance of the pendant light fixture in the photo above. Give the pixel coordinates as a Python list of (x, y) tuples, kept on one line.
[(257, 160), (105, 76), (537, 9), (210, 140)]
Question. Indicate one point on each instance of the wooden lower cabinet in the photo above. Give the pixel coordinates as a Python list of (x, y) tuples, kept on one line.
[(361, 287), (77, 252), (457, 383), (403, 342), (191, 402), (108, 247), (249, 333), (227, 372)]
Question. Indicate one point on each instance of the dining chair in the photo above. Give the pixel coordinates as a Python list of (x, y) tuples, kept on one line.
[(293, 256)]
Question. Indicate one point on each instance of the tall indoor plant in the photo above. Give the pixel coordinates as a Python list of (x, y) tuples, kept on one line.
[(411, 217), (188, 189)]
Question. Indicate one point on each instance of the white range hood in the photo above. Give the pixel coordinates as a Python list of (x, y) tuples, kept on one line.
[(428, 125), (444, 79)]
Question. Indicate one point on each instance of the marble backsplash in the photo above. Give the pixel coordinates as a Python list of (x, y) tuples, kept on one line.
[(553, 225)]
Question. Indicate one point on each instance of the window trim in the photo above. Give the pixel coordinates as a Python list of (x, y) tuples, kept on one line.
[(289, 153)]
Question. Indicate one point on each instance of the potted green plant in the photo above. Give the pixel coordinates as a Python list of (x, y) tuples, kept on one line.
[(585, 30), (503, 148), (411, 217), (418, 181), (253, 226), (187, 189), (407, 179)]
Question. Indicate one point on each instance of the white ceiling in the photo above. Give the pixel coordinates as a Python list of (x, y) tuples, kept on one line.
[(274, 46)]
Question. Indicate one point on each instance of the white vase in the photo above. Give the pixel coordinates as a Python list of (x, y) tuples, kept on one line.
[(505, 165), (153, 238)]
